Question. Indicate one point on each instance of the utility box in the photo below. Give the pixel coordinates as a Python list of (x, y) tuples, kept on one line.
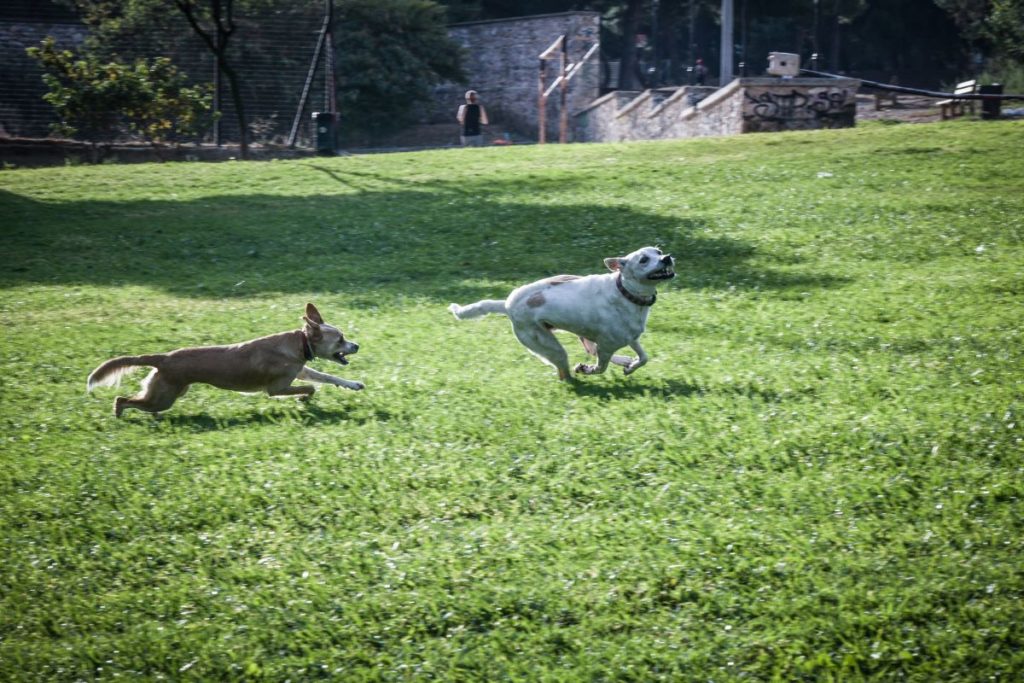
[(326, 125), (991, 107), (783, 64)]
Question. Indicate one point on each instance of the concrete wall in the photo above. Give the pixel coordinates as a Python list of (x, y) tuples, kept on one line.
[(746, 105), (502, 64)]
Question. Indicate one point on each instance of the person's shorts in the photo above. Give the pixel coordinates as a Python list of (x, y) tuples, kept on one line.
[(472, 140)]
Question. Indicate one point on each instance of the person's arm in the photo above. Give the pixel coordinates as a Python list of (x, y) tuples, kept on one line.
[(461, 116), (483, 116)]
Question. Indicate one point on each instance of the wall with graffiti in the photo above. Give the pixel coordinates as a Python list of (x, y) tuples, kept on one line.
[(793, 107), (746, 105)]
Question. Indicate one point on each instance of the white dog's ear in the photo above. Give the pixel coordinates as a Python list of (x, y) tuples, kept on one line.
[(614, 263), (313, 315)]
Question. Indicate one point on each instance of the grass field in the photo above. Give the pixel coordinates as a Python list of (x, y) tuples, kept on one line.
[(818, 476)]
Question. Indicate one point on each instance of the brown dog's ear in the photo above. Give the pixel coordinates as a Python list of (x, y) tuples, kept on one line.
[(313, 315), (614, 263), (312, 329)]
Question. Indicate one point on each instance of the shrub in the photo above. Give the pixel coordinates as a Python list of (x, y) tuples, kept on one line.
[(102, 102)]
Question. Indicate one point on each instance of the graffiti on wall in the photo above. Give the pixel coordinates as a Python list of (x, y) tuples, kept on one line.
[(773, 105)]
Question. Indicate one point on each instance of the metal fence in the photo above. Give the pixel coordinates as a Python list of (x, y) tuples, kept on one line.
[(272, 54)]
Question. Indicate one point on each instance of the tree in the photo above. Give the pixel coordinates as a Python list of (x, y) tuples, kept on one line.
[(997, 26), (103, 101), (214, 22), (389, 54)]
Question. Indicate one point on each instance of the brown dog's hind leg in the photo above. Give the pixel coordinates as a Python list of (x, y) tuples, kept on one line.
[(157, 395)]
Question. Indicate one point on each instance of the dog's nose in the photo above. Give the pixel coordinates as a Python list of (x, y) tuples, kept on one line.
[(667, 258), (355, 347)]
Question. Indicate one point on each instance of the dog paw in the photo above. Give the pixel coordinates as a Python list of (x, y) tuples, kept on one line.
[(356, 386), (585, 369)]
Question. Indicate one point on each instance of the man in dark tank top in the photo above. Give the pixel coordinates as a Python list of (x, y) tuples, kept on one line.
[(471, 116)]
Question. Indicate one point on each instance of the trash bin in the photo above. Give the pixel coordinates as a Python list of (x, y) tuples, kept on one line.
[(326, 124), (991, 106)]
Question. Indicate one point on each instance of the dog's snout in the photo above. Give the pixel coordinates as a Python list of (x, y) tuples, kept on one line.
[(667, 259), (353, 346)]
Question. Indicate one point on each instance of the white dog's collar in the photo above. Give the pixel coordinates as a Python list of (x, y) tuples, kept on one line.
[(638, 300)]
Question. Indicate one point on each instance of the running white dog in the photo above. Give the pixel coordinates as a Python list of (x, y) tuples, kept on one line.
[(606, 311)]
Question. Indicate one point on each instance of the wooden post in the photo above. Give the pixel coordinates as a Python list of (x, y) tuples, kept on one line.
[(542, 106)]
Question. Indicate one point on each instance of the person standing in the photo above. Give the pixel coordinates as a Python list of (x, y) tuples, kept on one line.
[(471, 116), (700, 72)]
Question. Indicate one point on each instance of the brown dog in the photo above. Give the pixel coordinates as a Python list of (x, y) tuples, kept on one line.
[(267, 364)]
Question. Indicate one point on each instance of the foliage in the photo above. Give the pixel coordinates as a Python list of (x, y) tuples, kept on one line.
[(817, 477), (997, 25), (389, 53), (104, 101)]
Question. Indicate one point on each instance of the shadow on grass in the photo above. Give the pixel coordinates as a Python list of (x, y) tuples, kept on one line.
[(304, 414), (377, 239), (674, 389)]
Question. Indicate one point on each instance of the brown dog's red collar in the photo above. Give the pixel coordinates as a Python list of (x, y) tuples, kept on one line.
[(307, 350), (638, 300)]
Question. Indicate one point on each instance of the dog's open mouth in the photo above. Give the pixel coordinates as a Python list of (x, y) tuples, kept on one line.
[(340, 358), (665, 273)]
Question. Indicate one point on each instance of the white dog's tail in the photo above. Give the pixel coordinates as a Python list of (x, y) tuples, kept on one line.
[(479, 309), (109, 374)]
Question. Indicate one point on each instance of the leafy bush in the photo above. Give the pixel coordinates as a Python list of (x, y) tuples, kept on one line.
[(102, 102), (1007, 72)]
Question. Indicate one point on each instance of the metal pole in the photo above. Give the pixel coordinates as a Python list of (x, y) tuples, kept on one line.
[(725, 54), (305, 87), (216, 92), (330, 91), (563, 115), (814, 37)]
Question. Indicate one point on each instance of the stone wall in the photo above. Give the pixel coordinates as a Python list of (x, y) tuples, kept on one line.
[(746, 105), (502, 64)]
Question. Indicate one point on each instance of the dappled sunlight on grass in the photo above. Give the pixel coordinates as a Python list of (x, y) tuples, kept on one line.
[(816, 476)]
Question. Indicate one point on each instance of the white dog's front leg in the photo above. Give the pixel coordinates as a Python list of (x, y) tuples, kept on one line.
[(602, 364), (641, 358), (311, 375)]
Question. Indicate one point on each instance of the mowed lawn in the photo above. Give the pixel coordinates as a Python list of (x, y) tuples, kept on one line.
[(818, 476)]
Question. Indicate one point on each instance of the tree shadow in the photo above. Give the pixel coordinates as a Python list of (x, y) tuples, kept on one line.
[(674, 388), (308, 414), (374, 238)]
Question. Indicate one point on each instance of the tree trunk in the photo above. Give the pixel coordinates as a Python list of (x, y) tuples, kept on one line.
[(217, 43), (236, 99), (627, 68)]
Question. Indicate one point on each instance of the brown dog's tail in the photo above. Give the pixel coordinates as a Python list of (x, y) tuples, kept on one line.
[(109, 374)]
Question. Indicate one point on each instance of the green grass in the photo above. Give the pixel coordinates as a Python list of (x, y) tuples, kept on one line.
[(818, 476)]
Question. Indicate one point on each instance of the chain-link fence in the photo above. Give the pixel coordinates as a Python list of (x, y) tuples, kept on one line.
[(272, 54)]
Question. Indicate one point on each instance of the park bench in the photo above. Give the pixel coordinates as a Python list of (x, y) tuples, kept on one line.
[(955, 106)]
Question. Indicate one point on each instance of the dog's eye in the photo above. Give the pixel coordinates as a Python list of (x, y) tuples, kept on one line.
[(644, 260)]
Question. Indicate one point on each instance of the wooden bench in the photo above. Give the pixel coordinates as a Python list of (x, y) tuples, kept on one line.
[(955, 106)]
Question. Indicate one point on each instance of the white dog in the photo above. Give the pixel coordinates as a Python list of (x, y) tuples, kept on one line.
[(606, 311)]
